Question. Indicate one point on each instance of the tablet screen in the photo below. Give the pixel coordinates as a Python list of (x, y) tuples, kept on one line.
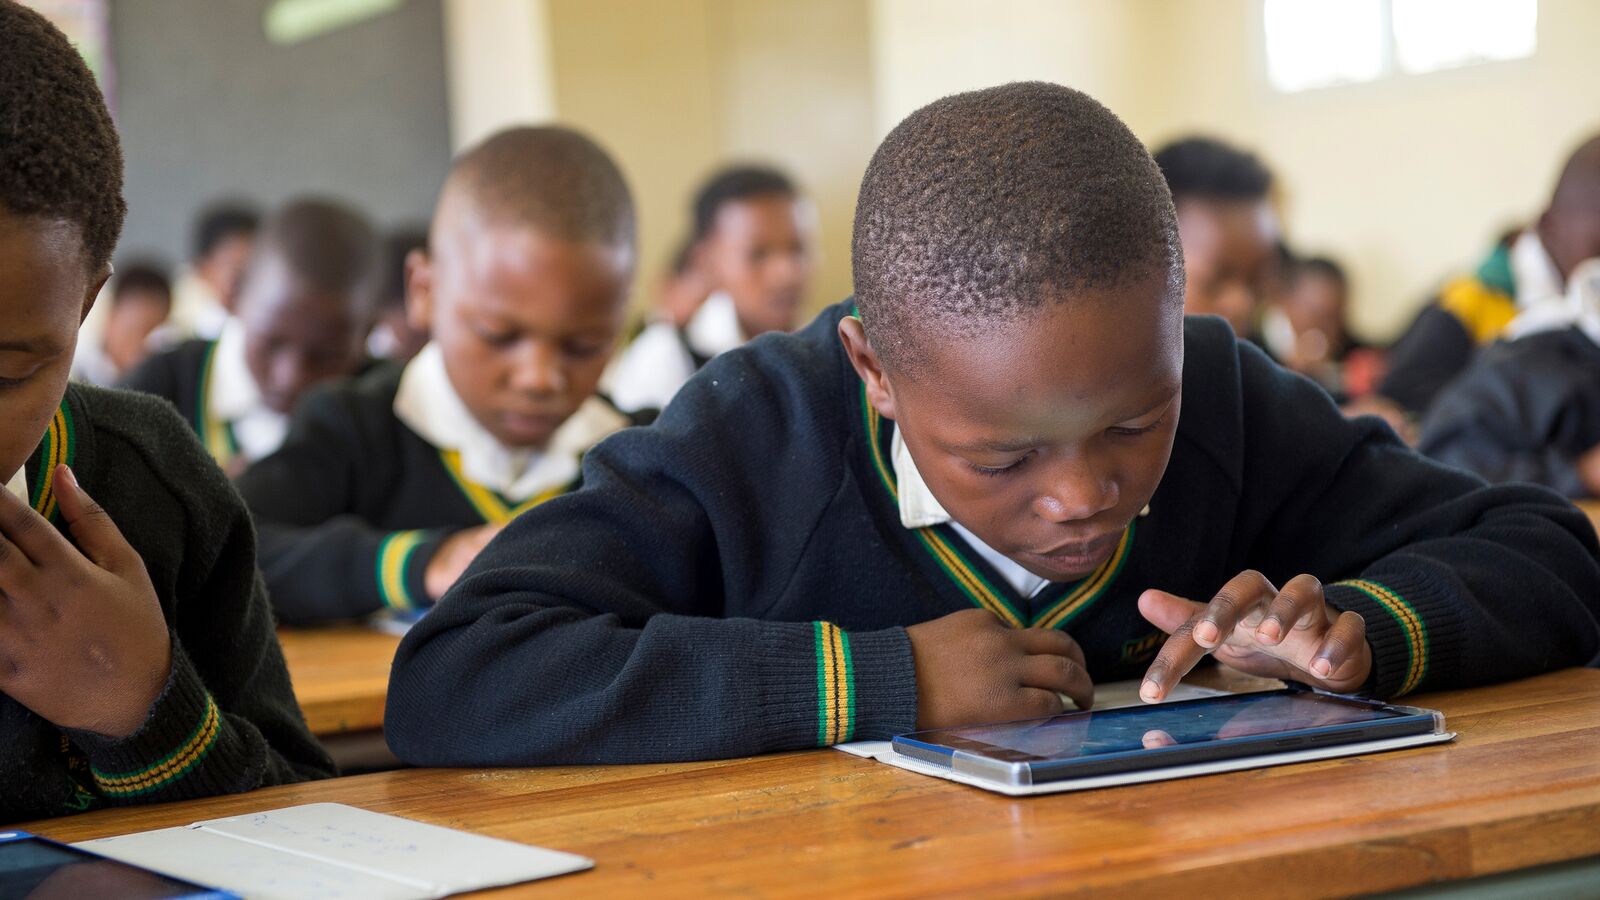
[(40, 870), (1085, 734)]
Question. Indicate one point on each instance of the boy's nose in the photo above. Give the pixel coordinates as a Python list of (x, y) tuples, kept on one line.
[(538, 371), (1075, 491)]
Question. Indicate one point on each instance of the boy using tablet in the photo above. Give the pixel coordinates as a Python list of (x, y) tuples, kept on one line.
[(1007, 470), (389, 484), (137, 658)]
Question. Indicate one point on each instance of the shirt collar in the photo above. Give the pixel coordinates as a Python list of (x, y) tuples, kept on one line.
[(233, 393), (428, 404), (920, 509), (1534, 273), (714, 329), (18, 484)]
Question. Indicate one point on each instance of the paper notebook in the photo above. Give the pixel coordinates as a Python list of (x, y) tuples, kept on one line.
[(323, 851)]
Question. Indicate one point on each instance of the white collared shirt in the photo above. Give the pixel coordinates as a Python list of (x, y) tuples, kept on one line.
[(649, 372), (428, 404), (18, 484), (235, 399), (196, 310), (919, 509)]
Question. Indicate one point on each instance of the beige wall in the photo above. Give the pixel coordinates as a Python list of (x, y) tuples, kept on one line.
[(1405, 179), (676, 87)]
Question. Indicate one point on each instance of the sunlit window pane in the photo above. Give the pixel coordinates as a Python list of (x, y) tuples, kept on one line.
[(1440, 34), (1313, 43)]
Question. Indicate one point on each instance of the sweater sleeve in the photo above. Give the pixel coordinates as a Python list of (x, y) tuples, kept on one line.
[(597, 628), (1431, 353), (1503, 420), (321, 559), (1460, 583), (156, 376), (227, 721)]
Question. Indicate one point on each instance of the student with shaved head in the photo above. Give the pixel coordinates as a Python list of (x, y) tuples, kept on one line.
[(1474, 310), (390, 484), (1006, 470), (301, 318)]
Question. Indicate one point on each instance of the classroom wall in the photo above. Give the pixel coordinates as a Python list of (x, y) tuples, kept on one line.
[(207, 107), (676, 87), (497, 56)]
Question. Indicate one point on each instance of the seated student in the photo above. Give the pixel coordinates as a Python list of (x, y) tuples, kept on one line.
[(390, 484), (1529, 409), (393, 336), (224, 239), (140, 662), (304, 311), (1472, 311), (971, 488), (141, 299), (1227, 225), (753, 236)]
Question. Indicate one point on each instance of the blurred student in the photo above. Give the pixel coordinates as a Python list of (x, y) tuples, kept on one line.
[(1528, 409), (304, 311), (684, 287), (140, 301), (1473, 310), (390, 484), (753, 241), (1007, 469), (140, 664), (224, 239), (393, 336), (1228, 227)]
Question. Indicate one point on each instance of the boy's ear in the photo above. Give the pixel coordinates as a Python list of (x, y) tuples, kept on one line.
[(419, 291), (880, 393), (95, 287)]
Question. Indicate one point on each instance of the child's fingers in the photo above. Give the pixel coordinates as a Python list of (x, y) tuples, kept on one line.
[(97, 535), (1300, 605), (1167, 611), (1243, 593), (1340, 645), (27, 535), (1178, 655), (1049, 640), (1059, 674)]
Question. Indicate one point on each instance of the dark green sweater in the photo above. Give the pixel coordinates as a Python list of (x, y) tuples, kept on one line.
[(354, 505), (228, 720)]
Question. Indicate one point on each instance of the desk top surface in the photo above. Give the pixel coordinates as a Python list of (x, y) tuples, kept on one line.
[(340, 675), (1520, 787)]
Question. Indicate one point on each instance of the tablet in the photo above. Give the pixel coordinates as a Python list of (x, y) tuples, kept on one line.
[(37, 868), (1138, 738)]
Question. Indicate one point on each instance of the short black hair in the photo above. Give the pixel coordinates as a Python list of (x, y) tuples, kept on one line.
[(397, 245), (221, 221), (1209, 169), (1321, 266), (325, 245), (59, 155), (141, 276), (734, 184), (993, 205), (551, 178)]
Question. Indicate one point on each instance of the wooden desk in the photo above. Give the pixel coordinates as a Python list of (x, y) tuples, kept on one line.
[(1519, 788), (341, 676)]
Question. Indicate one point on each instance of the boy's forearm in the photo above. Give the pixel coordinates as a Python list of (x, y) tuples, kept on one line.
[(344, 569)]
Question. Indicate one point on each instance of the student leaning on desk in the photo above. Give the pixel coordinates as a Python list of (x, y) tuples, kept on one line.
[(927, 508)]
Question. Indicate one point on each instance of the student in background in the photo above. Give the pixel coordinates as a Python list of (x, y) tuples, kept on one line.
[(304, 310), (684, 288), (140, 662), (393, 336), (1229, 228), (224, 238), (1528, 409), (969, 490), (1473, 310), (140, 300), (390, 484), (753, 237)]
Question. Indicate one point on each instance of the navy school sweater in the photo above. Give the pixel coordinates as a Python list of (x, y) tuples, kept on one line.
[(736, 579), (353, 506), (228, 720)]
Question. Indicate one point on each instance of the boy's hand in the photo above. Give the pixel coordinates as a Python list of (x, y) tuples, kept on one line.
[(972, 668), (453, 556), (1256, 628), (83, 641)]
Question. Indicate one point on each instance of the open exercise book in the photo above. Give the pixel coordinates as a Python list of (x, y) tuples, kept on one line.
[(323, 851)]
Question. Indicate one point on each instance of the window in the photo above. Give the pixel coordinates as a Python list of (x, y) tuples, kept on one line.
[(1319, 43)]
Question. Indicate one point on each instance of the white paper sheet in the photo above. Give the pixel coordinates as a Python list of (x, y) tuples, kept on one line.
[(324, 851)]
